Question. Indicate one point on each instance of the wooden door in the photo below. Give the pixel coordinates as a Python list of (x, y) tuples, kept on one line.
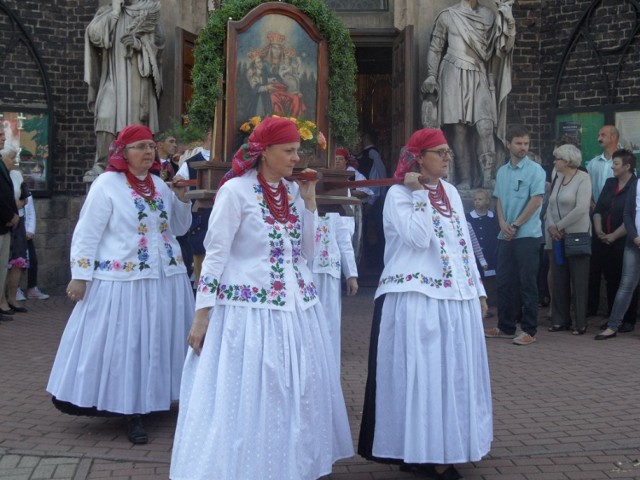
[(187, 42), (403, 92)]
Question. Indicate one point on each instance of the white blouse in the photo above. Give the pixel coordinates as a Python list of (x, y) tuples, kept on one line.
[(425, 251), (252, 259), (333, 247), (122, 236)]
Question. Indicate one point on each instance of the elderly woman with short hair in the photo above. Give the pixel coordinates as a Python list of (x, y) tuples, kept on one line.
[(568, 212)]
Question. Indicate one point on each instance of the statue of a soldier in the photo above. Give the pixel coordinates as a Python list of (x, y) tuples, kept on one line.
[(123, 52), (468, 79)]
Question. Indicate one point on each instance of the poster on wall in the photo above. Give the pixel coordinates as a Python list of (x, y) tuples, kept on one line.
[(28, 133), (584, 128), (628, 124)]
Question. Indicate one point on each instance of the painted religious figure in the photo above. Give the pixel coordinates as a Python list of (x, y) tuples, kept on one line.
[(468, 79), (123, 69), (277, 66)]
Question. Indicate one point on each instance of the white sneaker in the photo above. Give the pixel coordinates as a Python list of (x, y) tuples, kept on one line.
[(36, 293), (20, 295)]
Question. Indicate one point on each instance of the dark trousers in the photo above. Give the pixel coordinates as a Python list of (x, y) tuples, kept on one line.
[(595, 274), (610, 259), (570, 286), (516, 280), (32, 272)]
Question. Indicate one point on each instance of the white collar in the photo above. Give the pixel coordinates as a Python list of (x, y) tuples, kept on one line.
[(475, 214)]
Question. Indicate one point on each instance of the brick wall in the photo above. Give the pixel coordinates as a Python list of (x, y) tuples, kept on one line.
[(545, 29), (56, 28)]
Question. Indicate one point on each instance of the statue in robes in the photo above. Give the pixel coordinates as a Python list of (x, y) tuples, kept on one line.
[(468, 80), (123, 69)]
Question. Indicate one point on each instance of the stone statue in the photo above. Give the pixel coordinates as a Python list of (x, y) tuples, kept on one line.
[(123, 51), (468, 79)]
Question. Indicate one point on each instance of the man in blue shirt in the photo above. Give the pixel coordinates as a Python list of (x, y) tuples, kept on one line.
[(520, 185)]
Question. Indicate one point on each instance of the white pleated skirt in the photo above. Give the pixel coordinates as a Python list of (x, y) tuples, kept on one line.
[(262, 401), (433, 393), (330, 294), (124, 346)]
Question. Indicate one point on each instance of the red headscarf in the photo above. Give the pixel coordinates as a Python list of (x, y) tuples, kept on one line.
[(350, 159), (271, 131), (128, 135), (420, 140)]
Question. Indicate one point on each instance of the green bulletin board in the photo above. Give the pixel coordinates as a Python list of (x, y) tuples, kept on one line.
[(585, 127)]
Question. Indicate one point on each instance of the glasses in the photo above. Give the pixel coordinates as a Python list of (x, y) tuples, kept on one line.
[(143, 147), (443, 153)]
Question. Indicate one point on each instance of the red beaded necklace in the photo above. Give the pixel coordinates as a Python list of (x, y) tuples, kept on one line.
[(277, 199), (145, 187), (439, 199)]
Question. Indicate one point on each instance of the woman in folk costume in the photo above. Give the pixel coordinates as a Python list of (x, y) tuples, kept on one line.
[(260, 395), (428, 398), (123, 348), (334, 255)]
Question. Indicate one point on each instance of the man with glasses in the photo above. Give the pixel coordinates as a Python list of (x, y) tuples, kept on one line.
[(520, 186)]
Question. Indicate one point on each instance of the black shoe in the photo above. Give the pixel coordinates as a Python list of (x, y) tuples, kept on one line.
[(17, 309), (135, 430), (579, 331), (558, 328), (11, 311), (449, 474), (605, 337), (626, 328)]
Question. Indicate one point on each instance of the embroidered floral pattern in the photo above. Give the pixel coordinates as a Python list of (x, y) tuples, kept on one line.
[(445, 259), (114, 265), (275, 294), (83, 263), (323, 241), (419, 206), (207, 284)]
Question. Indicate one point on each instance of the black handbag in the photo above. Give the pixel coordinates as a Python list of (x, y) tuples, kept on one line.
[(577, 244)]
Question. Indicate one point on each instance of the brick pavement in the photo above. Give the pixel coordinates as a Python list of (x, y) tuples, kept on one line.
[(564, 408)]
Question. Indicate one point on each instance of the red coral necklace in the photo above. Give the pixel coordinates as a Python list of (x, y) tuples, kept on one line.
[(439, 199), (276, 198), (145, 187)]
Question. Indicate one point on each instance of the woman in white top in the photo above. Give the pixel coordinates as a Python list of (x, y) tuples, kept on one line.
[(428, 396), (260, 395), (123, 348), (334, 255)]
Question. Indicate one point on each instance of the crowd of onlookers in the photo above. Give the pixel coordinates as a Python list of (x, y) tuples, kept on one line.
[(17, 231), (583, 222)]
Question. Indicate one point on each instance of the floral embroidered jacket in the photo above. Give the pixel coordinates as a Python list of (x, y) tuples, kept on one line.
[(425, 251), (251, 258), (334, 250), (122, 236)]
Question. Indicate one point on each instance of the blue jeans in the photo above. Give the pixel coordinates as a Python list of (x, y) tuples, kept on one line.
[(516, 278), (628, 283)]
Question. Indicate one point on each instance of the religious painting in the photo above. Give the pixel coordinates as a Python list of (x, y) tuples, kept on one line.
[(28, 133), (276, 65)]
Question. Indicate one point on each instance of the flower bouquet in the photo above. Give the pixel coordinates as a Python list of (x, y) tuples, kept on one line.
[(310, 135)]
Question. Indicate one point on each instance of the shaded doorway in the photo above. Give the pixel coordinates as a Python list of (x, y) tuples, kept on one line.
[(374, 92)]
